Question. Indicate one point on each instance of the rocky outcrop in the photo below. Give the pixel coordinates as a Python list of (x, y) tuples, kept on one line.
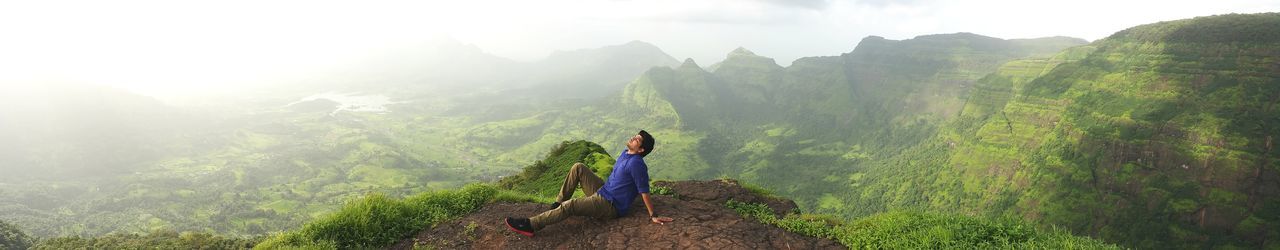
[(701, 222)]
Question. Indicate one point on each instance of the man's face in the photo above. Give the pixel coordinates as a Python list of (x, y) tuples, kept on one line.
[(634, 144)]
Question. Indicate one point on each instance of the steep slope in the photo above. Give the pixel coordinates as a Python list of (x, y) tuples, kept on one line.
[(542, 179), (827, 113), (1157, 136)]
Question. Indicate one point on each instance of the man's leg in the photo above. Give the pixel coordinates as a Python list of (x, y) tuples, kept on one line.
[(579, 174), (593, 205)]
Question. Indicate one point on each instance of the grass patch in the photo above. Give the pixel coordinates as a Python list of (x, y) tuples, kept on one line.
[(662, 190), (380, 176), (544, 177), (504, 195), (759, 190), (377, 221), (913, 230), (158, 239), (281, 206)]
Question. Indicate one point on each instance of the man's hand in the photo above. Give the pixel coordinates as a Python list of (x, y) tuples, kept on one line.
[(660, 220)]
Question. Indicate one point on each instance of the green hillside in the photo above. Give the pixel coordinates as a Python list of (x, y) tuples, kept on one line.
[(754, 120), (544, 177), (1158, 136)]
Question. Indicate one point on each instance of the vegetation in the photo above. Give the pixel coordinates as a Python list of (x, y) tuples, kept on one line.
[(916, 230), (1117, 140), (162, 239), (12, 237), (544, 177), (378, 221)]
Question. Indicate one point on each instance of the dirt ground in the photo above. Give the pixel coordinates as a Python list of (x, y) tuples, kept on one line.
[(701, 222)]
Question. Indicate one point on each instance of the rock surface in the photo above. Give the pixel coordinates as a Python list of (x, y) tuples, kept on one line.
[(701, 222)]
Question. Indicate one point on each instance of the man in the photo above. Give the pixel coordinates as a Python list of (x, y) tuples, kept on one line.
[(604, 200)]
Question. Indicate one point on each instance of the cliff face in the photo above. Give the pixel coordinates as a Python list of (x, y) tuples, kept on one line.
[(1160, 136), (701, 221)]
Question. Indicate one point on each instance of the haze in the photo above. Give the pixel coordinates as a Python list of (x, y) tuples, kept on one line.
[(159, 47)]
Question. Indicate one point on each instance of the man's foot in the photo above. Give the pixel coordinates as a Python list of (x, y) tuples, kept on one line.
[(555, 205), (520, 225)]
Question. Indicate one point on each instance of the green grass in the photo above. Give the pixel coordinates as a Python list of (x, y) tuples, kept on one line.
[(377, 220), (160, 239), (282, 206), (544, 177), (915, 230), (759, 190), (662, 190)]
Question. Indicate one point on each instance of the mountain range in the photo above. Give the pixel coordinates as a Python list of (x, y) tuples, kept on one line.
[(1157, 136)]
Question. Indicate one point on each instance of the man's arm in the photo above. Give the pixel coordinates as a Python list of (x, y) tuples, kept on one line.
[(640, 173), (649, 205)]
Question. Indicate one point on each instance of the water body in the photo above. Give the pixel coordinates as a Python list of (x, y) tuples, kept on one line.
[(351, 102)]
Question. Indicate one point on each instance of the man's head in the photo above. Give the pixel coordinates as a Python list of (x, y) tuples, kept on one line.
[(641, 143)]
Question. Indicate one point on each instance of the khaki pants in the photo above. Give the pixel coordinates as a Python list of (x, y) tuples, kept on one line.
[(592, 205)]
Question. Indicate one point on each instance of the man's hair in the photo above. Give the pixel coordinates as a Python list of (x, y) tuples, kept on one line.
[(646, 142)]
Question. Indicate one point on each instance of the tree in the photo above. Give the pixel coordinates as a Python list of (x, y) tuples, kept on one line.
[(12, 237)]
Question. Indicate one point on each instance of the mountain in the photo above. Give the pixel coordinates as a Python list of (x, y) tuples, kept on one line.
[(70, 130), (1157, 136), (462, 69), (435, 64), (895, 94), (1158, 128), (594, 73)]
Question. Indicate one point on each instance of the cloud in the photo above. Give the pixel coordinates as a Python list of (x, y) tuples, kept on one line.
[(806, 4), (883, 3), (729, 12), (162, 42)]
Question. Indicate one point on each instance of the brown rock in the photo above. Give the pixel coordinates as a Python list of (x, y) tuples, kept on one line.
[(702, 222)]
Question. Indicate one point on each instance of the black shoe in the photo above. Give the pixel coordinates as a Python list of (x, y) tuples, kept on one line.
[(555, 205), (520, 225)]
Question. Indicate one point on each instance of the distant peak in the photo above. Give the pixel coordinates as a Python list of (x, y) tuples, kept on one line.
[(955, 36), (740, 51), (689, 63), (873, 38), (639, 43)]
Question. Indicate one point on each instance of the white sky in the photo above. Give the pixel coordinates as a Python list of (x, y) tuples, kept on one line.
[(148, 45)]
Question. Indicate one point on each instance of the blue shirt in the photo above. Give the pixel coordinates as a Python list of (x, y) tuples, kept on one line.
[(629, 178)]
